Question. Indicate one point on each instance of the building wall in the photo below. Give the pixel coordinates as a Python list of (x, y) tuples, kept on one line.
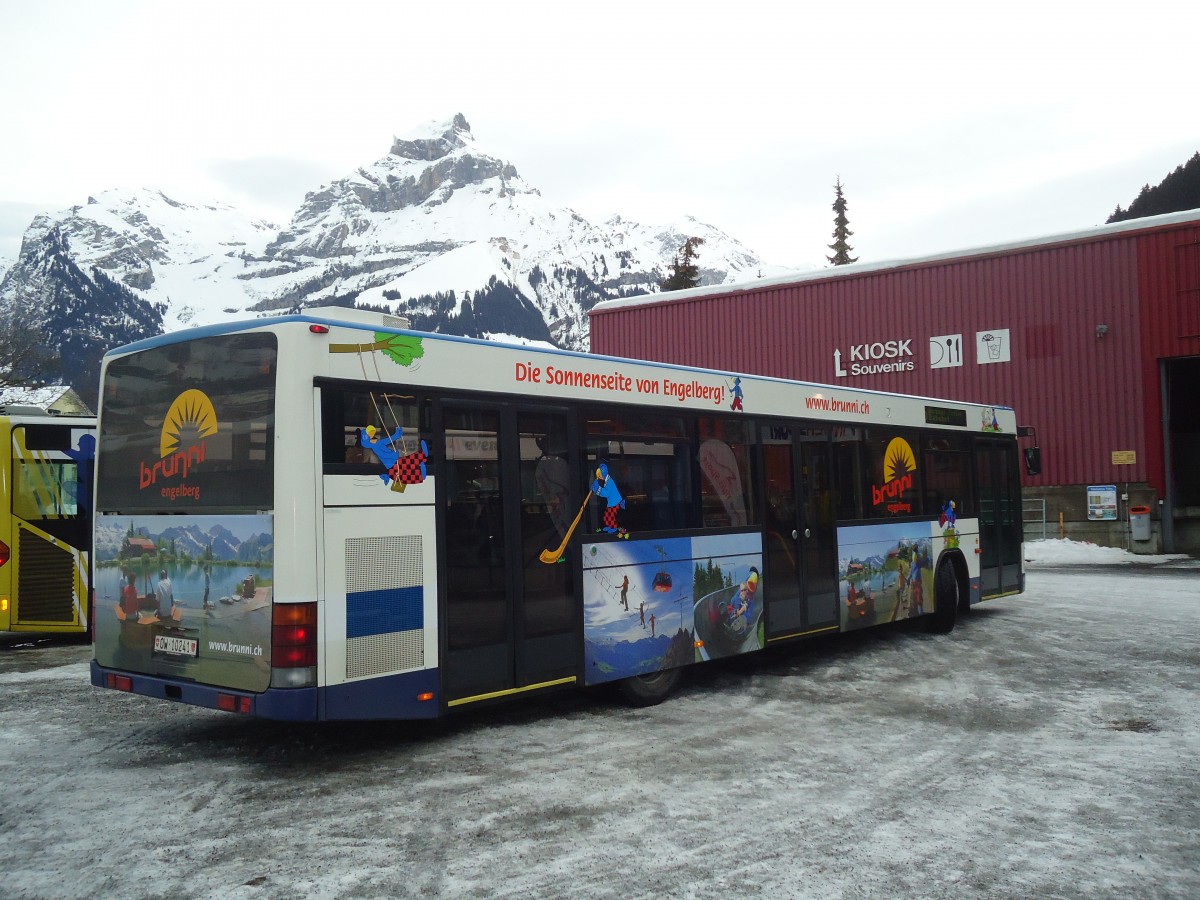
[(1090, 391), (1169, 288)]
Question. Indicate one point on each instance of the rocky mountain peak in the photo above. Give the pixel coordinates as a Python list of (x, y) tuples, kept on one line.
[(425, 169), (435, 141)]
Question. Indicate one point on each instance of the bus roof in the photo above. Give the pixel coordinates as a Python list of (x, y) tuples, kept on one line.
[(367, 320)]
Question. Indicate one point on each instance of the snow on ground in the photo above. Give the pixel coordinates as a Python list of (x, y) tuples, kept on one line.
[(1046, 748), (1065, 552)]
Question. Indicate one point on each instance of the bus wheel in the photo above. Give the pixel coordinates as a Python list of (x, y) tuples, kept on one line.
[(651, 689), (945, 594)]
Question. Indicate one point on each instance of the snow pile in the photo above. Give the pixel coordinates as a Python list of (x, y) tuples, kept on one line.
[(1065, 552)]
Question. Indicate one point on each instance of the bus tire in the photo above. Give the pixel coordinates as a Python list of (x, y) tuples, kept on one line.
[(945, 593), (650, 689)]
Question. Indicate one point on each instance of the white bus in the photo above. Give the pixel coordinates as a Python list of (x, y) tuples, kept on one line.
[(327, 516)]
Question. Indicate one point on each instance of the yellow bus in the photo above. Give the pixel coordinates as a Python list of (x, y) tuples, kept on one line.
[(46, 466)]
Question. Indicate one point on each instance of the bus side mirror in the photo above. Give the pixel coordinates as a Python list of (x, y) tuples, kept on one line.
[(1033, 460)]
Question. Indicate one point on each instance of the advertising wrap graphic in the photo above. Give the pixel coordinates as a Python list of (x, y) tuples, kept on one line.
[(187, 595), (884, 573), (899, 468), (183, 444), (661, 603)]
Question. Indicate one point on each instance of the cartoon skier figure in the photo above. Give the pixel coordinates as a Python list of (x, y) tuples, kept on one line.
[(946, 520), (604, 485), (401, 470), (736, 390)]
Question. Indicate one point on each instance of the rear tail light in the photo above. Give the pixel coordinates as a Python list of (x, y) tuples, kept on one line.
[(235, 703), (5, 553), (118, 682), (294, 644), (293, 635)]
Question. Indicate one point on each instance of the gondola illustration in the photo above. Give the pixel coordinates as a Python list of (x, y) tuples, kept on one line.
[(662, 579)]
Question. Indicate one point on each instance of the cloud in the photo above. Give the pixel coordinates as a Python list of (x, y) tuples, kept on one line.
[(274, 183)]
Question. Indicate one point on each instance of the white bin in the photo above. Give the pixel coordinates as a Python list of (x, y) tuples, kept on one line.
[(1139, 522)]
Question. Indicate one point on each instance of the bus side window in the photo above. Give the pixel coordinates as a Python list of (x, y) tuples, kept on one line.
[(353, 419), (356, 453), (847, 446), (645, 460), (946, 462), (723, 457), (44, 490)]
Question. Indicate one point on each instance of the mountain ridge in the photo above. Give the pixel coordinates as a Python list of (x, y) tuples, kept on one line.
[(437, 230)]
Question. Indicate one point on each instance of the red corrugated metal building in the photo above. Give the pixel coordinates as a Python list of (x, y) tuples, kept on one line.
[(1092, 337)]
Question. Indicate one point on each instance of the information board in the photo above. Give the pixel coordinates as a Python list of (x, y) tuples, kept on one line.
[(1102, 502)]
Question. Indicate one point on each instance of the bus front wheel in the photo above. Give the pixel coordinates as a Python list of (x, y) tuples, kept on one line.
[(945, 594), (651, 689)]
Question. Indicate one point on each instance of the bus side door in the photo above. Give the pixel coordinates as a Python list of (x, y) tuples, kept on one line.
[(999, 517), (511, 619), (800, 552)]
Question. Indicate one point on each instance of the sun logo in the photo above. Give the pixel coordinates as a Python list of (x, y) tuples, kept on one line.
[(181, 445), (190, 419), (898, 460), (899, 469)]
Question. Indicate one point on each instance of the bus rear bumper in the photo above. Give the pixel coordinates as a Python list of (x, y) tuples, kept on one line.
[(283, 704), (410, 695)]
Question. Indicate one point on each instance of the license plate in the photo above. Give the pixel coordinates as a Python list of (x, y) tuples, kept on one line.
[(176, 646)]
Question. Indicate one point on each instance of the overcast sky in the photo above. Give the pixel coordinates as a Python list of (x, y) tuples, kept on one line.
[(950, 124)]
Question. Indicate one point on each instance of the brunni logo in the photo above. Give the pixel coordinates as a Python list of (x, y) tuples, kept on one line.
[(182, 443), (899, 467)]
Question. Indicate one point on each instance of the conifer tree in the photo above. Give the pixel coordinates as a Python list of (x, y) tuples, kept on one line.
[(25, 359), (684, 271), (1179, 191), (841, 231)]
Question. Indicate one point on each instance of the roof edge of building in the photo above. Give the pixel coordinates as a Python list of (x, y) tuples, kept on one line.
[(1099, 232)]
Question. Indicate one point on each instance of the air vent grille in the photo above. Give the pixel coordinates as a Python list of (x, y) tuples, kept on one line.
[(46, 583), (385, 605)]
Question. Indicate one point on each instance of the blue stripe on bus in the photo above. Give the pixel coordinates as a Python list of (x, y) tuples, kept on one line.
[(384, 611)]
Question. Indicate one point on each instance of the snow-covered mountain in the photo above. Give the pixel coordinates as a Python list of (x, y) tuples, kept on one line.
[(191, 540), (436, 230)]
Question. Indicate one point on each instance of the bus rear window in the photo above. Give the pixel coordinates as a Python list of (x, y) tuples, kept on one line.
[(189, 426)]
